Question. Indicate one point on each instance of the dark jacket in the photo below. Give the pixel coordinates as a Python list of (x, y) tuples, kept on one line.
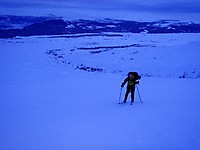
[(131, 81)]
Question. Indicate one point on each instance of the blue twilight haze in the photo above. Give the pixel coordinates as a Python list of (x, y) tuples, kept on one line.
[(126, 9)]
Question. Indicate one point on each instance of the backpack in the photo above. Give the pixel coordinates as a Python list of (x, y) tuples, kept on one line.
[(136, 75)]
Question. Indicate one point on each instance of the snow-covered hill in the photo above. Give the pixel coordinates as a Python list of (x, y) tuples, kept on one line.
[(61, 92)]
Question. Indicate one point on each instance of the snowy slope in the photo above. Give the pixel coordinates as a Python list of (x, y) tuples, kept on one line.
[(158, 55), (47, 103)]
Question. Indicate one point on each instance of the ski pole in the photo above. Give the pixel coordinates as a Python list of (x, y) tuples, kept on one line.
[(139, 94), (120, 96)]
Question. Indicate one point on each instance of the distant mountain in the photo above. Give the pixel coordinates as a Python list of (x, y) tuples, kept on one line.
[(19, 22), (12, 26)]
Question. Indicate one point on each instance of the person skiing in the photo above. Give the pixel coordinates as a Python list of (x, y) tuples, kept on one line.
[(132, 79)]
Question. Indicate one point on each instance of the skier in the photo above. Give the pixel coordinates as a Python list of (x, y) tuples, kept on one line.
[(132, 79)]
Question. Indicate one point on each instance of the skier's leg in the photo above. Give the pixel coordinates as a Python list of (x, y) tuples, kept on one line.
[(126, 95), (132, 93)]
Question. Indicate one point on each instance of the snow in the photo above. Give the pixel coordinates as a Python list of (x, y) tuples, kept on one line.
[(48, 104)]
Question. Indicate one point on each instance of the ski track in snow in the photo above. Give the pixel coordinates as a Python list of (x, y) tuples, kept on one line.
[(48, 102)]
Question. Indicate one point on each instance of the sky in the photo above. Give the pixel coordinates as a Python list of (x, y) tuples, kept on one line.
[(119, 9)]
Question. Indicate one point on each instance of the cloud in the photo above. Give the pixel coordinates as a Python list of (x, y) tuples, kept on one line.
[(172, 6), (178, 7)]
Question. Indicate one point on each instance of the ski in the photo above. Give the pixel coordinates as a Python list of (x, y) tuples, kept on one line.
[(121, 103), (125, 103)]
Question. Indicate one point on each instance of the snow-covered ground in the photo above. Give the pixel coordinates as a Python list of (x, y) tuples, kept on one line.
[(48, 101)]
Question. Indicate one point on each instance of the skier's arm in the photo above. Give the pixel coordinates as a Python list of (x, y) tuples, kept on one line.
[(124, 82), (137, 81)]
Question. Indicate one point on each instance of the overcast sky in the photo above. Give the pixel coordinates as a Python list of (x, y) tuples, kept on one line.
[(158, 9)]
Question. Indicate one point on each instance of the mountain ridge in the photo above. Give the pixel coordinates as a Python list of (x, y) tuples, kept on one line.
[(29, 26)]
